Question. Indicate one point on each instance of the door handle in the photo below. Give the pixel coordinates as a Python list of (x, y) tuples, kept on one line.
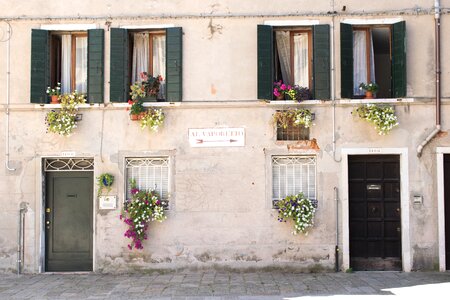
[(47, 224)]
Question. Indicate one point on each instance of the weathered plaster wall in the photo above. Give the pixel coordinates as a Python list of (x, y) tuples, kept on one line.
[(220, 213)]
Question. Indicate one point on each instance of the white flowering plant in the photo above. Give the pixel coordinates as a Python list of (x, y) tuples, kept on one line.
[(64, 121), (297, 117), (153, 118), (299, 209), (382, 116), (143, 207)]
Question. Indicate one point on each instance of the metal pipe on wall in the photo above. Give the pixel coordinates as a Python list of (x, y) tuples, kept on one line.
[(8, 74), (21, 237), (437, 49)]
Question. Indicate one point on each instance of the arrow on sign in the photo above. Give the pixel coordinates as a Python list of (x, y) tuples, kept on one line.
[(200, 141)]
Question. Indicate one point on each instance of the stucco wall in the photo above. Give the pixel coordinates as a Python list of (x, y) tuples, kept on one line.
[(220, 208)]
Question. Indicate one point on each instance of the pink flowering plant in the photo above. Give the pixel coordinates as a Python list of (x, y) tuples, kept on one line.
[(280, 88), (143, 207)]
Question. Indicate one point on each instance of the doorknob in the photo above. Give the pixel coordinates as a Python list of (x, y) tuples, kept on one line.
[(47, 224)]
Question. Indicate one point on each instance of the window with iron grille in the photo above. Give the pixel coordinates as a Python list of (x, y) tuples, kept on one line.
[(292, 133), (150, 173), (292, 175)]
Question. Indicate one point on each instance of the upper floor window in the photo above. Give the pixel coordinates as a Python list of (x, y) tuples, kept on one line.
[(68, 61), (75, 59), (156, 52), (297, 56), (149, 55), (293, 57), (373, 53)]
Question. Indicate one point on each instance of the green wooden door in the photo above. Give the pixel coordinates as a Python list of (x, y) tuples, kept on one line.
[(68, 221)]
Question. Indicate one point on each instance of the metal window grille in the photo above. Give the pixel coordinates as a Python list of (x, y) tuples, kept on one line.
[(293, 174), (68, 164), (292, 133), (150, 174)]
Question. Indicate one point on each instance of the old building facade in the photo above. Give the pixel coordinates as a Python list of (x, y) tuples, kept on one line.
[(380, 198)]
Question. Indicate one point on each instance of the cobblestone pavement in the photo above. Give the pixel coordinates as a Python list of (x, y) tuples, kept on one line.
[(228, 285)]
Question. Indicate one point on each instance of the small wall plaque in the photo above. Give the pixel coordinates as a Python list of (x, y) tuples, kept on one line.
[(107, 202)]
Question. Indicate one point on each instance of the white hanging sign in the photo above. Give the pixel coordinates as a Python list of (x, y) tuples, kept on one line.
[(217, 137)]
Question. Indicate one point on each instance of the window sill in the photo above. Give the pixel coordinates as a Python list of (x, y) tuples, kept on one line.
[(343, 101)]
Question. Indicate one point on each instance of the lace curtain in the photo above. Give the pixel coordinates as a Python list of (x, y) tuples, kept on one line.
[(140, 55), (360, 60), (81, 65), (301, 60), (66, 59)]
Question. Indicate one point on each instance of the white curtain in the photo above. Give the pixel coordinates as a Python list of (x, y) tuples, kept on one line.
[(301, 60), (360, 61), (66, 47), (159, 61), (284, 54), (140, 55), (81, 65)]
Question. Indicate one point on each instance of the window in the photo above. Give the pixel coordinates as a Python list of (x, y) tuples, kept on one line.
[(150, 173), (296, 55), (292, 175), (374, 53), (68, 61), (75, 59), (157, 52), (292, 133)]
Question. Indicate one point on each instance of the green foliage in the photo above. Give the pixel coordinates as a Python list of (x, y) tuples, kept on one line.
[(383, 117), (294, 117), (369, 87), (148, 86), (153, 119), (63, 121), (299, 209), (104, 181)]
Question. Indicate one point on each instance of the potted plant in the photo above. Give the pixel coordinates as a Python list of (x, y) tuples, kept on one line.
[(295, 117), (147, 88), (54, 93), (299, 209), (143, 207), (301, 93), (64, 121), (280, 89), (104, 181), (369, 88), (137, 109), (382, 116)]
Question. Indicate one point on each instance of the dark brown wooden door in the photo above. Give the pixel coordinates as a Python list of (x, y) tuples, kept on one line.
[(447, 209), (374, 212), (68, 221)]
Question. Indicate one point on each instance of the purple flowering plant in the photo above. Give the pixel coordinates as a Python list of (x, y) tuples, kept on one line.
[(299, 209), (143, 207)]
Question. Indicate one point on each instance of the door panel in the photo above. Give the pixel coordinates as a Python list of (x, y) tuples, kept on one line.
[(374, 212), (69, 221), (447, 209)]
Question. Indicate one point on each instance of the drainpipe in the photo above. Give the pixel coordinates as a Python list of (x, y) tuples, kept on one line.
[(21, 237), (437, 26), (8, 71), (336, 248)]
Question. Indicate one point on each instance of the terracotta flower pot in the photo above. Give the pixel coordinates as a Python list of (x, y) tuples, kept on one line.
[(369, 95), (54, 99), (280, 97), (134, 117)]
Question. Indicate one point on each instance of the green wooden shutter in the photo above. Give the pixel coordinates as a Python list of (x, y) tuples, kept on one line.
[(346, 61), (95, 65), (265, 62), (119, 65), (40, 65), (174, 64), (399, 59), (321, 63)]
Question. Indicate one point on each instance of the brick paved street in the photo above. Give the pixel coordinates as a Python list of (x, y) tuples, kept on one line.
[(227, 285)]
